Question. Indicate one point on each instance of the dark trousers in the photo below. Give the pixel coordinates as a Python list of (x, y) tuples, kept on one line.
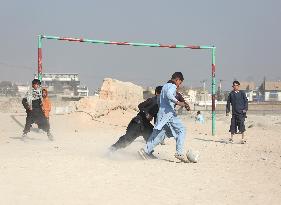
[(137, 127), (36, 116), (237, 121)]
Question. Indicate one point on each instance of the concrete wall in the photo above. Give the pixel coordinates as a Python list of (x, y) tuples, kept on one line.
[(267, 96)]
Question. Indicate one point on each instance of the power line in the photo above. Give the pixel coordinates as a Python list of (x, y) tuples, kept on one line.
[(17, 67)]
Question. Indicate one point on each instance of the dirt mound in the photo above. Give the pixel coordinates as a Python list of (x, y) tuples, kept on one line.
[(114, 95), (116, 90), (11, 105)]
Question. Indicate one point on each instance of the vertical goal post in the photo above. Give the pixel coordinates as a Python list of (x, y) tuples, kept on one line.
[(83, 40)]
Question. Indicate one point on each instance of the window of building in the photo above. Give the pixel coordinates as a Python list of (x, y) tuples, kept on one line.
[(273, 95)]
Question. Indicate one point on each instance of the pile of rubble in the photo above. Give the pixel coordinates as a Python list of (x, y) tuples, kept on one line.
[(114, 94), (11, 105)]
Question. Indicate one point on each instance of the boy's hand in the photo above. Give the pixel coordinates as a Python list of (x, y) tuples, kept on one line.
[(187, 106), (182, 104), (149, 117)]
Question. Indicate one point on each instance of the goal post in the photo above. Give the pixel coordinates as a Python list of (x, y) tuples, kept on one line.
[(83, 40)]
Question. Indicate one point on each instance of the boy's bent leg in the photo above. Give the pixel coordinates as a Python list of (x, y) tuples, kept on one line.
[(49, 134), (147, 130), (132, 132), (180, 139), (41, 120), (241, 127), (243, 141), (233, 125), (43, 124), (241, 123), (179, 132), (155, 138), (28, 123)]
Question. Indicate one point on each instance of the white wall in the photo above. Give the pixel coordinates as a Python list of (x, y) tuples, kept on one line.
[(249, 95), (266, 96)]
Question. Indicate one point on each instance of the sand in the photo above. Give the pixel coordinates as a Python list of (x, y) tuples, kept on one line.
[(77, 168)]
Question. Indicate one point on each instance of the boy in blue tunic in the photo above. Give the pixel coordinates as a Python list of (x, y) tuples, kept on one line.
[(167, 123)]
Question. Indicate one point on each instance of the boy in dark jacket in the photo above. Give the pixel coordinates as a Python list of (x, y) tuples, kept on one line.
[(140, 125), (32, 103), (239, 103)]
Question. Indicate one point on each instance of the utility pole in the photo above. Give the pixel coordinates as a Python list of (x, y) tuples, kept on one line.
[(219, 97), (204, 90)]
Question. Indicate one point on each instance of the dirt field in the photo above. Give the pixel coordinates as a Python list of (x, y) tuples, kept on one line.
[(77, 168)]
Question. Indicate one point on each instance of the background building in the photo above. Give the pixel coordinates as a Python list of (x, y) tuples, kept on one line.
[(249, 88), (67, 84), (272, 90), (8, 88)]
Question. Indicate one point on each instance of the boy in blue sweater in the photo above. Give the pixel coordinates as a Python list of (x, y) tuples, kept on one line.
[(239, 103)]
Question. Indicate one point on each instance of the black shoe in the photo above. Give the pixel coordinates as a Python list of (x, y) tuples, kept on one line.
[(50, 136), (243, 141), (112, 149), (24, 136)]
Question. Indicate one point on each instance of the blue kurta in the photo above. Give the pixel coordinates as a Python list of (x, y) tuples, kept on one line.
[(167, 123), (167, 105)]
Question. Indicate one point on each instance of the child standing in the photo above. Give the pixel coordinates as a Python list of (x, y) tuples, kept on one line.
[(239, 103), (199, 117), (46, 104), (32, 103)]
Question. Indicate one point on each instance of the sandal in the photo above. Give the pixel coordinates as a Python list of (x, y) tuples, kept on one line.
[(182, 158), (243, 142)]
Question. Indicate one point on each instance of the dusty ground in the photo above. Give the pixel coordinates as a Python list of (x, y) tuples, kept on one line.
[(77, 169)]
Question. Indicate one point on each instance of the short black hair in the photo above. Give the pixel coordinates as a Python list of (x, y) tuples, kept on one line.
[(198, 112), (158, 89), (36, 81), (236, 82), (177, 75)]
